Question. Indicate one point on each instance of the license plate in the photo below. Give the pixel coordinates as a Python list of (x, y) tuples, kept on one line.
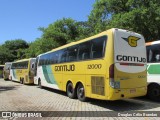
[(132, 90)]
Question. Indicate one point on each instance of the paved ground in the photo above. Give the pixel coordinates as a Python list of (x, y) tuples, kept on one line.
[(17, 97)]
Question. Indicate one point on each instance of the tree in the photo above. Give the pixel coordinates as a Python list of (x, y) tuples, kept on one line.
[(99, 16), (60, 33), (35, 48), (5, 55), (12, 50), (142, 16)]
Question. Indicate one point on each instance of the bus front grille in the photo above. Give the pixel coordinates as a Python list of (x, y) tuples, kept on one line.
[(98, 86)]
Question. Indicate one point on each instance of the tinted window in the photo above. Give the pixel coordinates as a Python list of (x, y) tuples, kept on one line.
[(153, 53), (84, 51), (98, 46), (92, 49), (43, 60), (55, 57), (20, 65), (47, 59), (63, 55), (72, 53)]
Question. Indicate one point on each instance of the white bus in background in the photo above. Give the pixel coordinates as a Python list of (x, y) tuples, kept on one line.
[(153, 70)]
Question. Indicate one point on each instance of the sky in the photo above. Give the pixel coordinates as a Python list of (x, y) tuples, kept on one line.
[(20, 19)]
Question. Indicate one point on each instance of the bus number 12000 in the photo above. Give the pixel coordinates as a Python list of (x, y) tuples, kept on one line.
[(94, 66)]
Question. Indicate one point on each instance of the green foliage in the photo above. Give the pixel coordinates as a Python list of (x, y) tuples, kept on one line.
[(5, 55), (57, 34), (34, 49), (99, 16), (142, 16), (12, 50), (62, 31)]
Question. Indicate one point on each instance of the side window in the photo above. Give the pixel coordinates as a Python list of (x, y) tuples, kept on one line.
[(21, 65), (24, 65), (149, 54), (43, 60), (84, 51), (63, 55), (54, 57), (50, 58), (98, 47), (12, 66), (33, 65), (153, 53), (47, 59), (18, 65), (72, 53)]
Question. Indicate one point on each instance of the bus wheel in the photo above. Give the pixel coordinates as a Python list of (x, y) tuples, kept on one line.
[(70, 91), (81, 93), (39, 84), (21, 81), (153, 92)]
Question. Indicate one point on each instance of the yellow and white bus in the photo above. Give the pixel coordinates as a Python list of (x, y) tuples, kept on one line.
[(6, 71), (23, 71), (107, 66), (1, 71), (153, 70)]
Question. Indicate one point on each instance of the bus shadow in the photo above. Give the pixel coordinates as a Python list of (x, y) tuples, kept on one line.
[(54, 90), (125, 105), (146, 99), (6, 80), (6, 88), (16, 82), (30, 84), (134, 104)]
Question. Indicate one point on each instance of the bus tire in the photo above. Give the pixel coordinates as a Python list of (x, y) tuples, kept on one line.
[(153, 92), (21, 81), (81, 93), (71, 93), (39, 83)]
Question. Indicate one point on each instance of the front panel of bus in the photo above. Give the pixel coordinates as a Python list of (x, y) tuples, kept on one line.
[(129, 76), (31, 66), (6, 71)]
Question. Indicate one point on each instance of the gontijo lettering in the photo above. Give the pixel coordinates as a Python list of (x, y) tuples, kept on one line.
[(65, 67), (130, 58)]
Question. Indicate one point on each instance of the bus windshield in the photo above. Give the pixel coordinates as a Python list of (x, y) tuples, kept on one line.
[(153, 53)]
